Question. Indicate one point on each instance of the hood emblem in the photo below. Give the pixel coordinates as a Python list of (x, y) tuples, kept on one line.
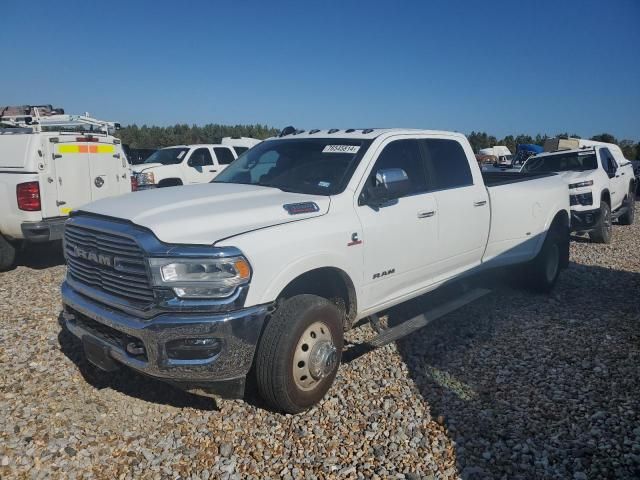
[(304, 207), (99, 182)]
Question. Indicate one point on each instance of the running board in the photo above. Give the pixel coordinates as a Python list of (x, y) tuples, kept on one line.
[(416, 323)]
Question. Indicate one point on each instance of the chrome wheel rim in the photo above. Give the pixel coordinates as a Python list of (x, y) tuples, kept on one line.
[(553, 262), (315, 356)]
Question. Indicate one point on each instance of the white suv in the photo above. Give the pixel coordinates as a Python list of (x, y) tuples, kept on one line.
[(601, 185), (182, 165)]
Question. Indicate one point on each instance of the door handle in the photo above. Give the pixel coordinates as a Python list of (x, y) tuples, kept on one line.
[(480, 203), (213, 170), (426, 214)]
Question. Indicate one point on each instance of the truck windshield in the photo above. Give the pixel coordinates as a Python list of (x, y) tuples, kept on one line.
[(320, 166), (562, 162), (168, 156)]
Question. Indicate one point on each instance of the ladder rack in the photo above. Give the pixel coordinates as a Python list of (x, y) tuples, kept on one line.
[(37, 122)]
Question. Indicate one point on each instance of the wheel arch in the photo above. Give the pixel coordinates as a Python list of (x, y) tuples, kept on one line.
[(560, 221), (605, 196), (331, 283)]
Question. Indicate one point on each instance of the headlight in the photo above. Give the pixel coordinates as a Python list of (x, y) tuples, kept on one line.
[(200, 277), (146, 178), (581, 199), (588, 183)]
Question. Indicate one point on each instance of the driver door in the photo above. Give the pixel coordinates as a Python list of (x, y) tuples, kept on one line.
[(400, 237), (200, 168)]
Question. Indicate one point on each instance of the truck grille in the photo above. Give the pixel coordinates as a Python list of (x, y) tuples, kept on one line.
[(108, 262)]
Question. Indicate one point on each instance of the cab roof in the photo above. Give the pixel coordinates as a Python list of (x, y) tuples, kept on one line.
[(355, 133)]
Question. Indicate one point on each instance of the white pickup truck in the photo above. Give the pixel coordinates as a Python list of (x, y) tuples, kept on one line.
[(601, 185), (187, 164), (46, 171), (262, 270)]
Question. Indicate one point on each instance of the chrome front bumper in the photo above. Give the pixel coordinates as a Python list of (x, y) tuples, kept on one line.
[(112, 330)]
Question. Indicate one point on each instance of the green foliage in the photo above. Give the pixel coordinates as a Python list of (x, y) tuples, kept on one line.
[(605, 137), (158, 137)]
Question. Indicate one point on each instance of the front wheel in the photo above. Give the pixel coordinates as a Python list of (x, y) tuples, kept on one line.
[(7, 254), (299, 353), (602, 233)]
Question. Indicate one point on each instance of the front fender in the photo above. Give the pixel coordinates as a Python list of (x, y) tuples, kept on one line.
[(281, 279)]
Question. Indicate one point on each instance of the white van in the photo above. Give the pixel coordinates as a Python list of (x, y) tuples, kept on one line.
[(500, 151), (50, 165)]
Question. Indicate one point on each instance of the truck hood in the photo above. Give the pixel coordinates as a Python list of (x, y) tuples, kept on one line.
[(145, 166), (206, 213)]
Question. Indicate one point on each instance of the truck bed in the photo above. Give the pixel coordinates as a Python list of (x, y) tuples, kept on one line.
[(494, 179)]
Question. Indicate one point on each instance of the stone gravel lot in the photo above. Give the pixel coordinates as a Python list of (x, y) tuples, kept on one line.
[(514, 386)]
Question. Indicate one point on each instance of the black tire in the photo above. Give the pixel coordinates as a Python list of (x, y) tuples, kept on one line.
[(602, 234), (7, 254), (544, 270), (281, 343), (629, 216)]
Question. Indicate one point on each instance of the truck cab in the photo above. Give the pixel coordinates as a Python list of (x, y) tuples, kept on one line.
[(51, 164), (601, 185)]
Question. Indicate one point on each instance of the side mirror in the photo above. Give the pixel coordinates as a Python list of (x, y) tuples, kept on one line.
[(390, 184)]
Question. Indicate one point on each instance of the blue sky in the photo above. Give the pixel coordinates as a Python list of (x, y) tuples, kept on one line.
[(496, 66)]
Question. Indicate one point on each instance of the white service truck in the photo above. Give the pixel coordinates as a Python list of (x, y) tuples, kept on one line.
[(49, 165), (188, 164), (263, 269), (601, 185)]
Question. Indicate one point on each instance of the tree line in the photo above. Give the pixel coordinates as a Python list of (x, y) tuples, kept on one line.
[(182, 134), (480, 140)]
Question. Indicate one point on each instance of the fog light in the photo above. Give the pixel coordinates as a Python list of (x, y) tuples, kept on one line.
[(135, 348), (193, 348)]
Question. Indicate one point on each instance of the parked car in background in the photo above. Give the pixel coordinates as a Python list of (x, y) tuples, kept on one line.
[(264, 268), (636, 169), (50, 164), (601, 185), (183, 165), (136, 156)]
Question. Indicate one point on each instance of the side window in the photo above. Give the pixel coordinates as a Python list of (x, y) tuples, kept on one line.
[(240, 150), (224, 155), (447, 164), (404, 154), (201, 157), (608, 162)]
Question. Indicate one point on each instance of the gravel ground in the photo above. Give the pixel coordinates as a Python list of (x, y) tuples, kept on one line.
[(514, 386)]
